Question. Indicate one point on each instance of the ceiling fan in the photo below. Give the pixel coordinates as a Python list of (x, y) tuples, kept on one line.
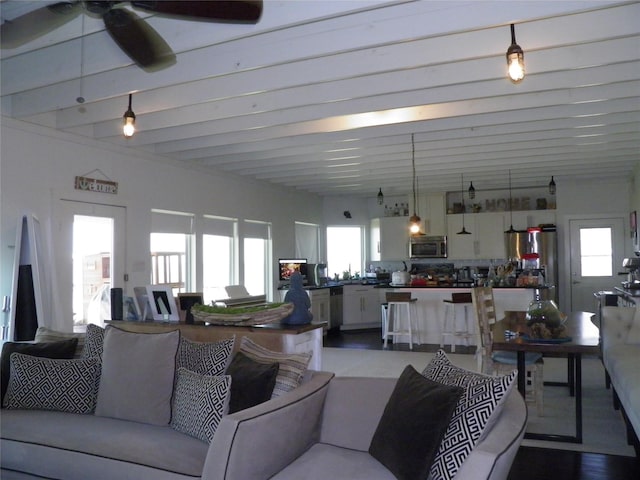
[(132, 34)]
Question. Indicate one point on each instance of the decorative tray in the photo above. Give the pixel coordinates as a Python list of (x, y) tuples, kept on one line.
[(242, 316)]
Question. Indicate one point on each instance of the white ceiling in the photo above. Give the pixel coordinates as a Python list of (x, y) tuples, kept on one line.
[(324, 95)]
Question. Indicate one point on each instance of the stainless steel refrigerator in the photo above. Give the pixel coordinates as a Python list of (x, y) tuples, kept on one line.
[(543, 242)]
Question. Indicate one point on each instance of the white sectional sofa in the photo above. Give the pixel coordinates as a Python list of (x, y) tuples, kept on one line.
[(620, 335)]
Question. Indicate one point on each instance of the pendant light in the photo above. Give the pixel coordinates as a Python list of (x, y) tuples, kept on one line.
[(552, 186), (129, 128), (472, 191), (515, 59), (414, 220), (511, 229), (380, 197), (464, 230)]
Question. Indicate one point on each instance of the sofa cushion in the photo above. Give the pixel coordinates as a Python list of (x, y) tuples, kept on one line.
[(292, 365), (60, 349), (93, 343), (413, 423), (206, 358), (47, 335), (199, 402), (251, 382), (634, 332), (137, 375), (38, 383), (66, 445), (477, 410)]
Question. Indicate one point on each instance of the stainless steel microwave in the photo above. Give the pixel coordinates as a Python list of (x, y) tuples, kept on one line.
[(424, 246)]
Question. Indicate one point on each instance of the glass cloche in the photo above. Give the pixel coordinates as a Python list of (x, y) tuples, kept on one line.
[(545, 320)]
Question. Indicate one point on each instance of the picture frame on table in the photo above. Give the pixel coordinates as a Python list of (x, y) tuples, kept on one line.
[(185, 302), (163, 304)]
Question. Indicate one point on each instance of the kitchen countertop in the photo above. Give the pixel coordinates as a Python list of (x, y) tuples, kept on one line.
[(631, 292), (465, 286)]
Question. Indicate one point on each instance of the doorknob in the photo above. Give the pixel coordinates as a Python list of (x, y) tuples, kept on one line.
[(575, 282)]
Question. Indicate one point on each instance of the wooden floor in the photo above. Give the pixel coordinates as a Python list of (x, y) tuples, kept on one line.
[(530, 463)]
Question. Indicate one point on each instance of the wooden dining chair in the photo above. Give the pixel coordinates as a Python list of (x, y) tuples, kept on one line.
[(493, 362)]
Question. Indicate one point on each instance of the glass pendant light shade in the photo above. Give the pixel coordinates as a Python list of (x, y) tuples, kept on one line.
[(414, 224), (515, 59), (129, 117), (552, 186), (380, 197)]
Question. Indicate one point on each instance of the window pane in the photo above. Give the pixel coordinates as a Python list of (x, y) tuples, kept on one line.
[(217, 266), (596, 252), (255, 265), (344, 250), (169, 260)]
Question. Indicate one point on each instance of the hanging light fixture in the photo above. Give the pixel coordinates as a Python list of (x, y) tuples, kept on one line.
[(515, 59), (380, 197), (129, 128), (464, 230), (414, 220), (511, 229), (472, 191), (552, 186)]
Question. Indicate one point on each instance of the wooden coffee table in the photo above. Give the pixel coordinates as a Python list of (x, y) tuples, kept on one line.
[(584, 340)]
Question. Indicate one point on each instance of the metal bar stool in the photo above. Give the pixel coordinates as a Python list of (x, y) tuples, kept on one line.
[(451, 326), (396, 324)]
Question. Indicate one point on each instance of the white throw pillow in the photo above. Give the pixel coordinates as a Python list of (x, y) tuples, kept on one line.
[(137, 375), (292, 365), (477, 410), (199, 402)]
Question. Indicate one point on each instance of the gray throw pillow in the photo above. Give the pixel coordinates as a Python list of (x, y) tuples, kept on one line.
[(38, 383), (412, 425), (137, 375), (252, 382), (61, 349), (199, 403)]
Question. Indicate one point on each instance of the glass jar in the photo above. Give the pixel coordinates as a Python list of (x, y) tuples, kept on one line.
[(545, 319)]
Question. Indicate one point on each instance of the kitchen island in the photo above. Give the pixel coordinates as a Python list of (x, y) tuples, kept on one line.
[(430, 308)]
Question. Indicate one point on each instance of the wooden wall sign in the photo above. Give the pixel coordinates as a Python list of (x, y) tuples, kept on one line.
[(96, 185)]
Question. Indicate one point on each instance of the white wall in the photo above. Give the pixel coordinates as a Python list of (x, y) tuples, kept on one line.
[(38, 166)]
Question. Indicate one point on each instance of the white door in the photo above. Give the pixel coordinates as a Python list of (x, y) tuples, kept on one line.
[(90, 242), (597, 250)]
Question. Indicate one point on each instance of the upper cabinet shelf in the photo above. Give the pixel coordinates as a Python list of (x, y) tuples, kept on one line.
[(522, 199)]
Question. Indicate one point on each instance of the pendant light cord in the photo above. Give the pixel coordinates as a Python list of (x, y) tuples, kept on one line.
[(415, 180)]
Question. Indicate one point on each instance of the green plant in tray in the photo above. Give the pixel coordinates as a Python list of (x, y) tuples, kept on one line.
[(235, 310)]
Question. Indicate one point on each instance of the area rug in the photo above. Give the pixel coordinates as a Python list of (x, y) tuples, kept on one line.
[(603, 428)]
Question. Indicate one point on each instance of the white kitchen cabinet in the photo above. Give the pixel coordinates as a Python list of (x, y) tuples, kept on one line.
[(389, 238), (486, 239), (320, 305), (434, 214), (361, 307)]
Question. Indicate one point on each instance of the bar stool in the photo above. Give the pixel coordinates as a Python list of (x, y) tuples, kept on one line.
[(402, 324), (459, 303)]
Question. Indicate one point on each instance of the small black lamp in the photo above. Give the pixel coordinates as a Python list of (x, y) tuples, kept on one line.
[(552, 186), (380, 197)]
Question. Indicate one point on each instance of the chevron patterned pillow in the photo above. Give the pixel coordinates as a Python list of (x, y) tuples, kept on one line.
[(199, 402), (38, 383), (478, 407)]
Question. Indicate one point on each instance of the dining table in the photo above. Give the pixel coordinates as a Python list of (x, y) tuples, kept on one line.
[(580, 337)]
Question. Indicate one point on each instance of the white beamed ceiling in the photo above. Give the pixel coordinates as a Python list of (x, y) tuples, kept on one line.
[(324, 95)]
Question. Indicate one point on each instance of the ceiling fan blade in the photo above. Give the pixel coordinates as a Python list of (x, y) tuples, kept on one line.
[(237, 11), (138, 40), (32, 25)]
